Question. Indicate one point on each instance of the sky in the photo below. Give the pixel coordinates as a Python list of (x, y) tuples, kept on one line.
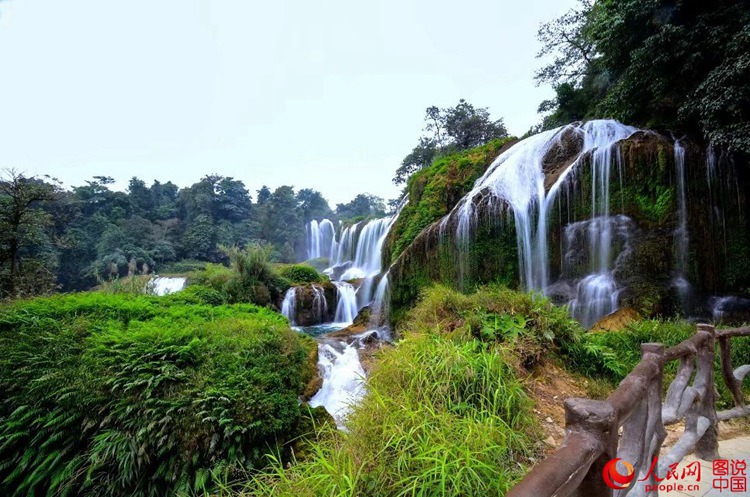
[(328, 95)]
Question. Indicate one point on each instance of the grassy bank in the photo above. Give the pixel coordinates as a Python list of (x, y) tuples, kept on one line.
[(132, 395)]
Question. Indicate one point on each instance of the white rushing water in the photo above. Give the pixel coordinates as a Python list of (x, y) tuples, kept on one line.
[(356, 254), (319, 237), (681, 235), (346, 305), (289, 305), (343, 380), (164, 285), (517, 178)]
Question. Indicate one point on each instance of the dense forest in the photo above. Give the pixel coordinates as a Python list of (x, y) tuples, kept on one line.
[(70, 239)]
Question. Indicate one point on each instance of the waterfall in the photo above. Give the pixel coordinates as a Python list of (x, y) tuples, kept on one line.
[(319, 237), (596, 293), (342, 250), (320, 304), (681, 235), (517, 179), (163, 285), (289, 305), (343, 380), (346, 307)]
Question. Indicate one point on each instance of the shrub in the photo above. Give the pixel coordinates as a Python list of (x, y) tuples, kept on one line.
[(250, 277), (529, 323), (299, 274), (142, 396), (613, 355), (198, 294)]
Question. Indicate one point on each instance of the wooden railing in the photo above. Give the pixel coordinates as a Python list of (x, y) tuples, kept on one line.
[(592, 428)]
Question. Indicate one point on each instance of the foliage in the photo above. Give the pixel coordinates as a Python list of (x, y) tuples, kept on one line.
[(301, 273), (251, 276), (435, 190), (363, 206), (27, 254), (654, 63), (450, 129), (613, 355), (72, 239), (444, 414), (143, 396)]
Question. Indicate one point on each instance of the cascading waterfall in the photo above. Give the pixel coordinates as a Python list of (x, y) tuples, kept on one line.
[(516, 178), (343, 379), (163, 285), (346, 307), (342, 250), (355, 255), (320, 305), (597, 293), (289, 305), (681, 235), (319, 237)]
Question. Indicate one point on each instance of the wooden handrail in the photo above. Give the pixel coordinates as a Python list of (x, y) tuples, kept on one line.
[(592, 427)]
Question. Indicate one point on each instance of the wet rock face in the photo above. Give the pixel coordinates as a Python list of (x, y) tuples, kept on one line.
[(315, 304), (561, 155)]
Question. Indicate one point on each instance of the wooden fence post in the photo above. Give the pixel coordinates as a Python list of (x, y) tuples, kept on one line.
[(595, 419), (707, 447)]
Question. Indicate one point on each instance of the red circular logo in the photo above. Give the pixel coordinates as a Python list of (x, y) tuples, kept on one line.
[(613, 478)]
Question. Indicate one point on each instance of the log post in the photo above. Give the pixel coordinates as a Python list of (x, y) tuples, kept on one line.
[(707, 447), (597, 420)]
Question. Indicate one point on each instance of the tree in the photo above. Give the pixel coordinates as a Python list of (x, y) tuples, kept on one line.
[(454, 128), (313, 205), (362, 206), (468, 127), (263, 195), (572, 51), (26, 269), (656, 63), (281, 221)]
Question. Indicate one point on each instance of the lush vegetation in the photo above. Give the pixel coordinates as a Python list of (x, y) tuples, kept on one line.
[(657, 63), (445, 411), (450, 130), (434, 190), (121, 395), (250, 277), (613, 355), (57, 239), (301, 273)]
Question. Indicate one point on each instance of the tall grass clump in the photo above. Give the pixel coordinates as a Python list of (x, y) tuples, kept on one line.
[(445, 411), (142, 396), (613, 355), (250, 277)]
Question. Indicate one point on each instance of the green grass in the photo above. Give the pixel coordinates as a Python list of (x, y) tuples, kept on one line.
[(445, 412), (142, 396), (612, 355), (298, 274)]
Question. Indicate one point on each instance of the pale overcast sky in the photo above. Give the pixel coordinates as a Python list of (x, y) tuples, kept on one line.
[(328, 95)]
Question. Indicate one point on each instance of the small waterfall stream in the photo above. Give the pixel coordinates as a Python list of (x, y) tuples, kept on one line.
[(343, 379), (681, 235), (346, 307), (355, 254), (164, 285), (289, 305)]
